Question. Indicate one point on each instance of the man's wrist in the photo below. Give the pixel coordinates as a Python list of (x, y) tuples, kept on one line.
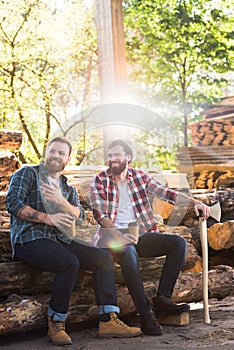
[(44, 218)]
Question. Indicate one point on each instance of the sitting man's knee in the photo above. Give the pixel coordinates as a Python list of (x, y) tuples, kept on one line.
[(180, 242)]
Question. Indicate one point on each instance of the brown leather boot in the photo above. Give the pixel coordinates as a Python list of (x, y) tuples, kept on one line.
[(149, 324), (115, 328), (57, 334), (165, 306)]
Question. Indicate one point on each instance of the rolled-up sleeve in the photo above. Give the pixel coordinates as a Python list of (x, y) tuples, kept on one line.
[(74, 200), (20, 185)]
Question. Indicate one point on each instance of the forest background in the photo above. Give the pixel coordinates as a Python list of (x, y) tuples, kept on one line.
[(180, 60)]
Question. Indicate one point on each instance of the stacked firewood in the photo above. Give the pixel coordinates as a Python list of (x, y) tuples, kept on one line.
[(207, 167), (213, 179), (25, 292), (9, 141), (220, 235), (209, 163), (8, 165), (212, 132)]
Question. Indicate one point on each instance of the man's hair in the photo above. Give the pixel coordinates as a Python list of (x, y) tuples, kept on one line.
[(61, 139), (119, 142)]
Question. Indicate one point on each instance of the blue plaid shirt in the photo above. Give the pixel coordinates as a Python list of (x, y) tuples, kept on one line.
[(24, 189)]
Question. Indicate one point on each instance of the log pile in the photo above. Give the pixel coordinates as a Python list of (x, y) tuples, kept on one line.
[(207, 167), (23, 313), (25, 292), (8, 165), (209, 163), (212, 133), (220, 235), (10, 140)]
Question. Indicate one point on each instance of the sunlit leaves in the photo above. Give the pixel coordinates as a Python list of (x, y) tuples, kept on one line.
[(46, 51), (180, 49)]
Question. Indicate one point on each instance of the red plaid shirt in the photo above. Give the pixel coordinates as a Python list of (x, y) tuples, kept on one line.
[(104, 197)]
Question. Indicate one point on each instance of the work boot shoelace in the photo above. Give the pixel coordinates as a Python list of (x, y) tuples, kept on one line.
[(117, 320), (57, 326)]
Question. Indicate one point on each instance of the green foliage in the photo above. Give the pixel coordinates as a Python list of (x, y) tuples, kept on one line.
[(155, 149), (45, 65), (180, 50), (178, 53)]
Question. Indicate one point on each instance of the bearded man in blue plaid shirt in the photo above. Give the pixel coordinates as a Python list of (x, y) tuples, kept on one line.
[(119, 196), (43, 208)]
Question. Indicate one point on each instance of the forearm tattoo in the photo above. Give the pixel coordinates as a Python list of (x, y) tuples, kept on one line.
[(33, 216)]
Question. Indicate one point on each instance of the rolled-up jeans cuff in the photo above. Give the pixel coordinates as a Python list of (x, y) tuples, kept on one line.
[(56, 316), (106, 309)]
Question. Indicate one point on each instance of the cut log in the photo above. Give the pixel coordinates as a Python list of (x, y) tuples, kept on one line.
[(3, 199), (27, 313), (221, 257), (17, 278), (175, 320), (189, 286), (5, 245), (199, 163), (4, 219), (8, 165), (162, 208), (10, 140), (221, 235), (212, 132)]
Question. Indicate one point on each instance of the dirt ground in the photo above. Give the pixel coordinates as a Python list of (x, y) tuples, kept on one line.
[(197, 335)]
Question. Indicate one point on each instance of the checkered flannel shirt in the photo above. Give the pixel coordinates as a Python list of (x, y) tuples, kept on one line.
[(104, 198)]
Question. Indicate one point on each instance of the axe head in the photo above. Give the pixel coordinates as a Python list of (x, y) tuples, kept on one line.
[(215, 211)]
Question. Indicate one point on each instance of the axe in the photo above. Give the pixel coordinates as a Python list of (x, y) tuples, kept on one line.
[(215, 212)]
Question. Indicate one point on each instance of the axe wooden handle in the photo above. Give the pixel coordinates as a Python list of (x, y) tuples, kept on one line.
[(204, 244)]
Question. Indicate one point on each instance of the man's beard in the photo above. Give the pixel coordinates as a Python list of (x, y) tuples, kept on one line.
[(52, 168), (117, 170)]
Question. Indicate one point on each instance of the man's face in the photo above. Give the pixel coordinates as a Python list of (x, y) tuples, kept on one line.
[(57, 157), (117, 159)]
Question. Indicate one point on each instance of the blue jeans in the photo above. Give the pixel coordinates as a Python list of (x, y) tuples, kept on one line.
[(151, 245), (65, 260)]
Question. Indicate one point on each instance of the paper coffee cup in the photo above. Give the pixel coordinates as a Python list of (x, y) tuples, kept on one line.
[(133, 229)]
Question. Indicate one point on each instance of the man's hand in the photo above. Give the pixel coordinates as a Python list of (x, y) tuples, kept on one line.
[(62, 221), (53, 193), (112, 238), (199, 206)]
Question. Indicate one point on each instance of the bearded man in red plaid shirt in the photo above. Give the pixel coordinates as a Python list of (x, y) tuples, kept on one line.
[(119, 196)]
